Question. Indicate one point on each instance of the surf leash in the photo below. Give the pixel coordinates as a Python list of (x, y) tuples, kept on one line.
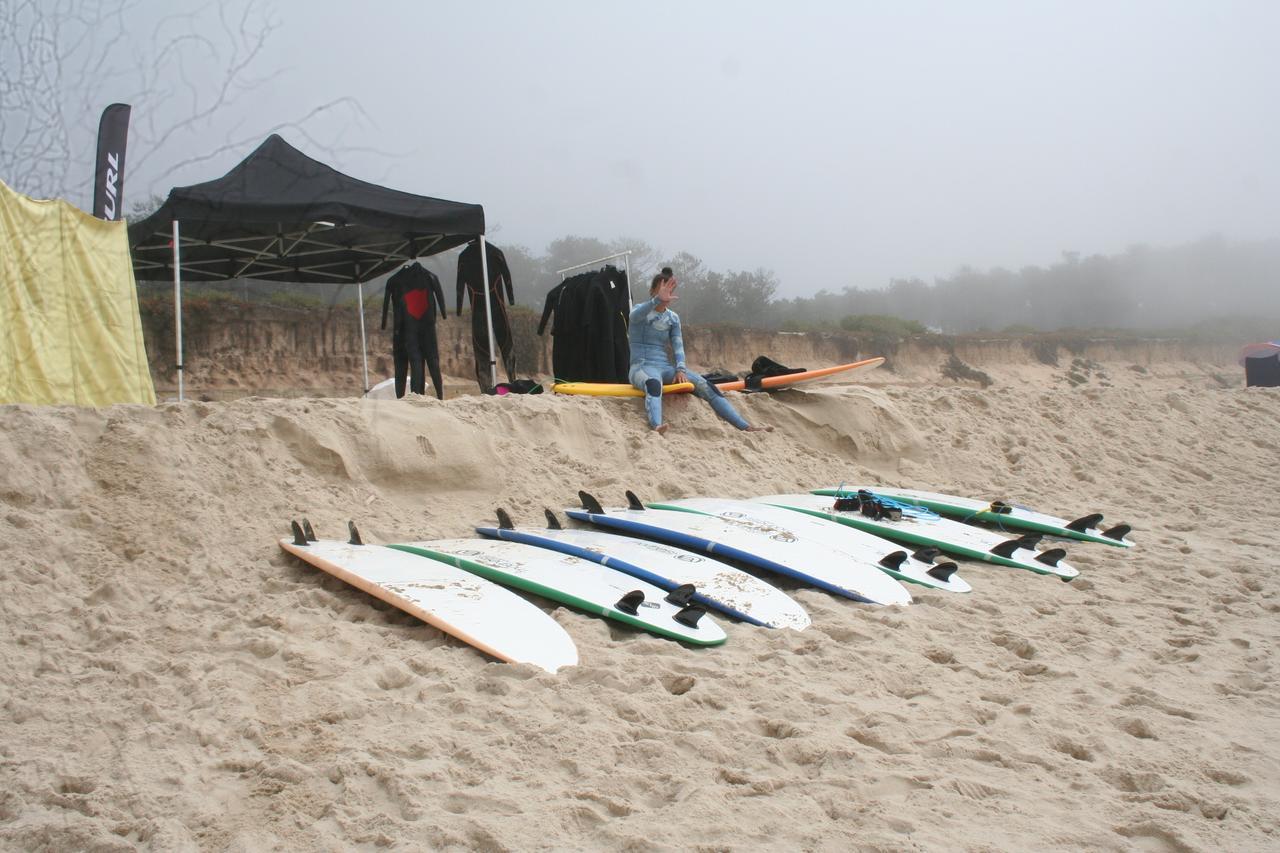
[(876, 505)]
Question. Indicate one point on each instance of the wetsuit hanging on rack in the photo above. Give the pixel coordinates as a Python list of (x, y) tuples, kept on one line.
[(416, 293), (470, 278)]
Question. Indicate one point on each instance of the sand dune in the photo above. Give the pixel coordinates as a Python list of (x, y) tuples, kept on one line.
[(173, 681)]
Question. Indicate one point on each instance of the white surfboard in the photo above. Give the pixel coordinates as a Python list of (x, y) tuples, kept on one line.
[(1006, 515), (860, 547), (933, 531), (715, 584), (770, 547), (384, 390), (493, 619), (579, 583)]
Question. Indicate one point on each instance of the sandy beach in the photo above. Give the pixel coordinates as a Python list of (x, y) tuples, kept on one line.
[(174, 681)]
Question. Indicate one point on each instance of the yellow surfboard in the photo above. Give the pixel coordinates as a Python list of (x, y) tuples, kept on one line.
[(609, 389)]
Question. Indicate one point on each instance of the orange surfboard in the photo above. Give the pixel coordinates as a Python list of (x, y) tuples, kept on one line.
[(769, 383)]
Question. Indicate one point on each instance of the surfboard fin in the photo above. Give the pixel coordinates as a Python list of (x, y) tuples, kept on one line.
[(682, 595), (553, 523), (942, 571), (1007, 547), (893, 559), (690, 615), (928, 555), (1118, 532), (504, 520), (355, 534), (633, 502), (1080, 525), (298, 537), (590, 504), (308, 532), (630, 603), (1051, 557)]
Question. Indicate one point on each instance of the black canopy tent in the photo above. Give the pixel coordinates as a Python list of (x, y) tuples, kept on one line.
[(281, 216)]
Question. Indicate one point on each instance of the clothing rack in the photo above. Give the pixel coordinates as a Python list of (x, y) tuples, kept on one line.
[(626, 267)]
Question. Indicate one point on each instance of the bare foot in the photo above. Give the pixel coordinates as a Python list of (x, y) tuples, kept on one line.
[(661, 429), (759, 428)]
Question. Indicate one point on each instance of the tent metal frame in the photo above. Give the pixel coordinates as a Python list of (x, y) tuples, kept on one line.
[(626, 263), (400, 251), (281, 215)]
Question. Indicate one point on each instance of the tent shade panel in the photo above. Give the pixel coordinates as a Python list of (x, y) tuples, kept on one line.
[(281, 215)]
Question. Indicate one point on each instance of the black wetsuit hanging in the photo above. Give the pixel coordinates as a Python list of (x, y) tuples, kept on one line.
[(589, 332), (417, 295), (605, 317), (568, 344), (470, 278)]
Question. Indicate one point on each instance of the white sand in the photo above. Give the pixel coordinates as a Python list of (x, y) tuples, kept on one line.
[(173, 681)]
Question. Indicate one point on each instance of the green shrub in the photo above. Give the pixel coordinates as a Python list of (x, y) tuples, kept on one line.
[(882, 325)]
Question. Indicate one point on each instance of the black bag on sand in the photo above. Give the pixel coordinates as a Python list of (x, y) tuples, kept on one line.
[(719, 375), (518, 386), (764, 367)]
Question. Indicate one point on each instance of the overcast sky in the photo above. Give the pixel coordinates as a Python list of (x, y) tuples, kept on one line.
[(835, 143)]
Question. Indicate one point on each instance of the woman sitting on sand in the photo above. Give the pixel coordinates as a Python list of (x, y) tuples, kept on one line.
[(653, 327)]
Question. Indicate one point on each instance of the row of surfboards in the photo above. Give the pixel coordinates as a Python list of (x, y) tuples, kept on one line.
[(660, 567)]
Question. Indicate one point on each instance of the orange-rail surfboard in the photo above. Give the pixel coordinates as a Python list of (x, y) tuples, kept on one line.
[(769, 383)]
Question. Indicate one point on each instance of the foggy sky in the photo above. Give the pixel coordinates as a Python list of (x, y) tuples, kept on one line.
[(837, 144)]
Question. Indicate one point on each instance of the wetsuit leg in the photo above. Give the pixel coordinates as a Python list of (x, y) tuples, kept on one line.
[(423, 352), (649, 380), (480, 344), (719, 403), (415, 355), (400, 358), (502, 335), (432, 352)]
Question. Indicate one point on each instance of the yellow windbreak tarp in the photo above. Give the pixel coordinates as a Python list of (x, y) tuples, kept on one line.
[(68, 308)]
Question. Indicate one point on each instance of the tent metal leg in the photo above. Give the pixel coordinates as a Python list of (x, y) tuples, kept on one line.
[(488, 311), (364, 345), (177, 299)]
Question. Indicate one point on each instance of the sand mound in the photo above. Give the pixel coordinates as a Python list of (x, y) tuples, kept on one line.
[(173, 681)]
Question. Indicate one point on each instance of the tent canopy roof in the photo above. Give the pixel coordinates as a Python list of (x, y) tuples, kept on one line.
[(282, 216)]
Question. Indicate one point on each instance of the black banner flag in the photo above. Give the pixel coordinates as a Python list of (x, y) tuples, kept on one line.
[(108, 182)]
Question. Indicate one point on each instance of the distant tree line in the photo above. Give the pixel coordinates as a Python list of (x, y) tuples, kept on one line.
[(1144, 288), (1211, 287)]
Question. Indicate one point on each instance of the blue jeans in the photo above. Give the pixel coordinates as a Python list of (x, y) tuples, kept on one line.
[(650, 378)]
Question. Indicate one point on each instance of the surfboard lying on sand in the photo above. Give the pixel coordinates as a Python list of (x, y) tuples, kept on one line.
[(929, 530), (610, 389), (493, 619), (709, 582), (578, 583), (384, 390), (857, 546), (769, 383), (764, 546), (615, 389), (1003, 514)]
